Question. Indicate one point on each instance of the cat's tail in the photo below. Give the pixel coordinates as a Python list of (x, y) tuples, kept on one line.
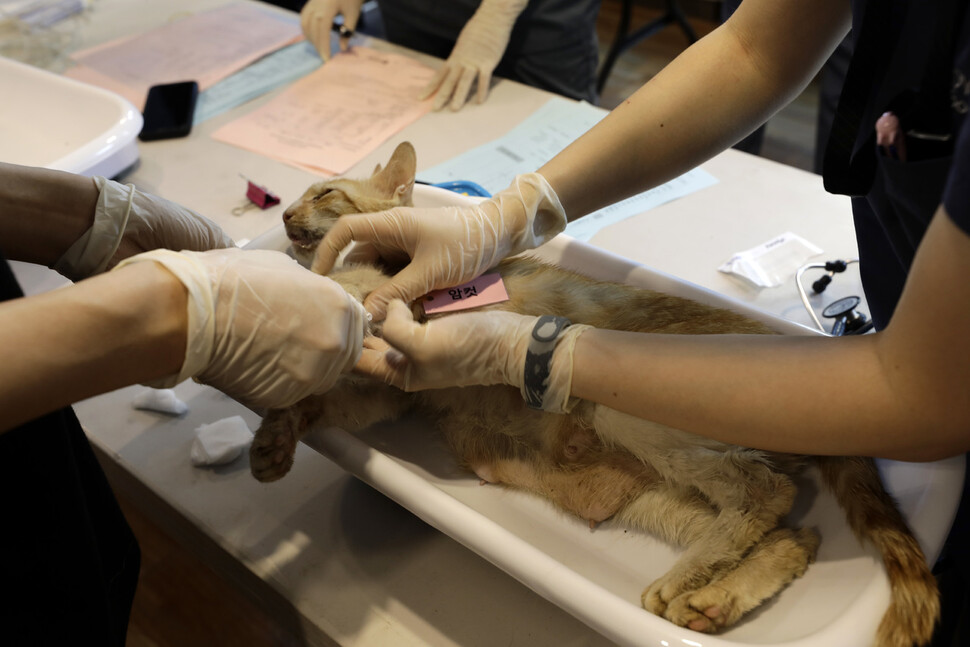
[(872, 514)]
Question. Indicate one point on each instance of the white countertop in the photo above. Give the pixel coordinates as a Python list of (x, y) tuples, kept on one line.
[(349, 565)]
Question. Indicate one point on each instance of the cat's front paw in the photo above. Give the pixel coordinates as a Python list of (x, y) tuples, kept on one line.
[(274, 444)]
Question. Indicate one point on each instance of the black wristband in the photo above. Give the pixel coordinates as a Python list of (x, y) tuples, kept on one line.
[(538, 358)]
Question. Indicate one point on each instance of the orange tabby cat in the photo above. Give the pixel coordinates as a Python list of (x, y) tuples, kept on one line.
[(725, 504)]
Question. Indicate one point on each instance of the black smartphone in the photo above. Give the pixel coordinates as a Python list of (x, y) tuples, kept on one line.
[(169, 109)]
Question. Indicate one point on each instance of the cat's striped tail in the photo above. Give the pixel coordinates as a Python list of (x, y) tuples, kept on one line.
[(873, 516)]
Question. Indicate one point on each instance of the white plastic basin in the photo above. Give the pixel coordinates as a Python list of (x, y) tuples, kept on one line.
[(598, 576), (54, 122)]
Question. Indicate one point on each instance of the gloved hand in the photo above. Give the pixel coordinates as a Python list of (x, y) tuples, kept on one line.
[(477, 52), (128, 222), (448, 245), (316, 19), (465, 349), (261, 328)]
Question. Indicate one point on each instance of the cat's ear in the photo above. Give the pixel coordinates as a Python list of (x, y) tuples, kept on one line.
[(396, 180), (377, 169)]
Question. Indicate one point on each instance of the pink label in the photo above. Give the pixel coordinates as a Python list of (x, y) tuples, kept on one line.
[(482, 291)]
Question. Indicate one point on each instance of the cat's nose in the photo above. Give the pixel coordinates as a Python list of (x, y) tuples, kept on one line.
[(287, 215)]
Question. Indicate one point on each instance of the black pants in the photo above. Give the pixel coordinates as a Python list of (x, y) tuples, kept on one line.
[(68, 560)]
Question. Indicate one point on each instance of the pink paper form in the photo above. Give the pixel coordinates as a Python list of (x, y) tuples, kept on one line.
[(331, 119), (205, 47)]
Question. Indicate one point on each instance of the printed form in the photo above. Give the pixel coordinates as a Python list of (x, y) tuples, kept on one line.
[(331, 119)]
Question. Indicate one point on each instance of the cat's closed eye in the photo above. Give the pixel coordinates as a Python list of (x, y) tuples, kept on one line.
[(317, 197)]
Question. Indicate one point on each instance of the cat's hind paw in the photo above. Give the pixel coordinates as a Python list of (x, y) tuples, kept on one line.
[(782, 556), (708, 610), (660, 595)]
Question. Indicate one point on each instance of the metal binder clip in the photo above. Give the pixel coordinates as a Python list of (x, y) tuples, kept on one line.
[(258, 196)]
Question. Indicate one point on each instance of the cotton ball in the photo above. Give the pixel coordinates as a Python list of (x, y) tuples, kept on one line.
[(220, 442), (161, 400)]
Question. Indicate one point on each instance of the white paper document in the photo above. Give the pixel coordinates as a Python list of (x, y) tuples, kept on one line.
[(205, 47), (537, 140)]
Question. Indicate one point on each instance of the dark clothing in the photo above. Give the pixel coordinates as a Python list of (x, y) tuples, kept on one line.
[(553, 45), (912, 59), (831, 78), (68, 560), (909, 59)]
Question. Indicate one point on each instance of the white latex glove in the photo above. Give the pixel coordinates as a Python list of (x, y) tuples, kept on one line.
[(128, 222), (466, 349), (477, 52), (262, 328), (316, 19), (448, 245)]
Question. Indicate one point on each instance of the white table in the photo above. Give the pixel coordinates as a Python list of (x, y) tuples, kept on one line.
[(320, 548)]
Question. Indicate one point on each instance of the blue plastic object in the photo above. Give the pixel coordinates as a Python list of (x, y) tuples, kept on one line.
[(464, 187)]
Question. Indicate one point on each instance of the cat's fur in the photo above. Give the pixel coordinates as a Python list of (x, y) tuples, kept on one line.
[(723, 503)]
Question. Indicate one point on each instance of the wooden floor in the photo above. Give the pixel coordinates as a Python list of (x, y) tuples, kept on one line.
[(181, 602)]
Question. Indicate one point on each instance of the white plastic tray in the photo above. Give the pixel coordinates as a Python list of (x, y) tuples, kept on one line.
[(598, 575), (54, 122)]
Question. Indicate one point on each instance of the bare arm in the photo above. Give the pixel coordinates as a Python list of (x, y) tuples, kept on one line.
[(901, 393), (42, 212), (116, 329), (82, 226), (708, 98)]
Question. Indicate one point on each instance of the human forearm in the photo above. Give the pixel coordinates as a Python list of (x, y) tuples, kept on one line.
[(782, 393), (110, 331), (42, 212), (83, 226), (712, 95), (900, 393)]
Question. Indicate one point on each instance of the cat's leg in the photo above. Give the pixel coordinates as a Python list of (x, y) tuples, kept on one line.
[(741, 486), (274, 442), (685, 517), (682, 517), (751, 499), (721, 547), (558, 457), (781, 556), (730, 477), (352, 404), (594, 492)]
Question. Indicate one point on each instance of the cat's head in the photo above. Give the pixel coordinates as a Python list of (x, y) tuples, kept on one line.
[(309, 218)]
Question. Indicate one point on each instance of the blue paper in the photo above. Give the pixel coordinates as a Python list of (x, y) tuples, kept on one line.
[(265, 75), (538, 139)]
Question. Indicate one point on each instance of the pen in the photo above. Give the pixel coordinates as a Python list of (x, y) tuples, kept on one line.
[(342, 29)]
